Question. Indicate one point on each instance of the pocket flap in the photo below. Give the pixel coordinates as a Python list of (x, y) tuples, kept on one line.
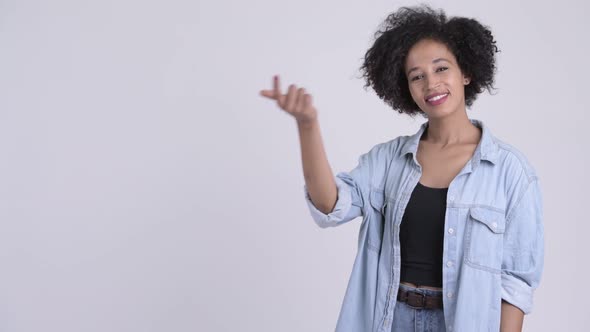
[(494, 220), (377, 201)]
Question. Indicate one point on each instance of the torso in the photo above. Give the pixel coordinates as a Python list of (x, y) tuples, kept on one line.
[(440, 167)]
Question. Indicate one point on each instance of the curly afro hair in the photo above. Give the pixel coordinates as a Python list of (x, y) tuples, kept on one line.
[(471, 43)]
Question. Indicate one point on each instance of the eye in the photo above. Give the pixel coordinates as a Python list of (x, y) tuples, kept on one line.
[(443, 68), (416, 77)]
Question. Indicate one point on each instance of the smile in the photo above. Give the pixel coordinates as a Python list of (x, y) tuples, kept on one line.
[(438, 99)]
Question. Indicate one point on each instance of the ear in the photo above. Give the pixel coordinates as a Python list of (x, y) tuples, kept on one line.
[(466, 80)]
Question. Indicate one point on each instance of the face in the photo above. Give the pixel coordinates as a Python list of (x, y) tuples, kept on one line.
[(432, 70)]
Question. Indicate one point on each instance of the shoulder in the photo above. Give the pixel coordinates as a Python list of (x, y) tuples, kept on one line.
[(518, 175), (514, 161), (384, 150)]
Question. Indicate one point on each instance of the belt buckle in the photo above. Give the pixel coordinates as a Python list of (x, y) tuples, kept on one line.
[(422, 302)]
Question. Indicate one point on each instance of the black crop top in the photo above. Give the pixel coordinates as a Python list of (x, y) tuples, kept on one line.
[(421, 236)]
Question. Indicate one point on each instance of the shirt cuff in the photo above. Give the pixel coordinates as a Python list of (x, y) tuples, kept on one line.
[(517, 293), (340, 211)]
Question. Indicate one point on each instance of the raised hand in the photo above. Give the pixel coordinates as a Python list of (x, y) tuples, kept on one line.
[(296, 102)]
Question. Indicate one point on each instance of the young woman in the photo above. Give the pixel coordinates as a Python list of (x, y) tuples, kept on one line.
[(452, 233)]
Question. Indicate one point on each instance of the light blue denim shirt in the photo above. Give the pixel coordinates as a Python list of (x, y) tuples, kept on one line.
[(493, 233)]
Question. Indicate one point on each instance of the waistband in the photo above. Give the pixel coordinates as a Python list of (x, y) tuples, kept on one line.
[(425, 291)]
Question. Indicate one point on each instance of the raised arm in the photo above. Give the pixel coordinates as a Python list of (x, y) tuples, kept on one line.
[(318, 175)]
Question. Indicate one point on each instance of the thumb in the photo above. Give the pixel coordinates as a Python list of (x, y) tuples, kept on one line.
[(267, 94)]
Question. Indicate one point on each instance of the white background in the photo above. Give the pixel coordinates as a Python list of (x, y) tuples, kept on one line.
[(146, 186)]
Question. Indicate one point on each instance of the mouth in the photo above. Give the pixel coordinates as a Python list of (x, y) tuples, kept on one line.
[(437, 100)]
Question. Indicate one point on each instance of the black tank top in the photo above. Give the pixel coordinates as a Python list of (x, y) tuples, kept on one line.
[(421, 236)]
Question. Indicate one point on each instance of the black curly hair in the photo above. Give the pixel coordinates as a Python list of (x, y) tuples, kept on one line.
[(471, 43)]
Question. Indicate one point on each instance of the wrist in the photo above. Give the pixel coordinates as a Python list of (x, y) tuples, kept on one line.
[(307, 125)]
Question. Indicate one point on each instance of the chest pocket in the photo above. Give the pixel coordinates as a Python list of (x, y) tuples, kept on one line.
[(485, 238), (378, 204)]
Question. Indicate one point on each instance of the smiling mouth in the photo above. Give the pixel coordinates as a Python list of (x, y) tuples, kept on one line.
[(439, 97), (434, 101)]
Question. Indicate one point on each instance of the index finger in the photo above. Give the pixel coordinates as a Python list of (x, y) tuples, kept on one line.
[(277, 89)]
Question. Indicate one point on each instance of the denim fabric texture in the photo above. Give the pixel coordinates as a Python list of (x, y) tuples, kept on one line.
[(493, 240), (409, 319)]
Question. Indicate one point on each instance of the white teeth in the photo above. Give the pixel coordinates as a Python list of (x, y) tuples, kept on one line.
[(437, 97)]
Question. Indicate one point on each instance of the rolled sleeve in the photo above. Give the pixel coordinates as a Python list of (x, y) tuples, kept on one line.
[(522, 263), (340, 213), (352, 187)]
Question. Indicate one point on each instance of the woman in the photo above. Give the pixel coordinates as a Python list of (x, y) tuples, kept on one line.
[(452, 234)]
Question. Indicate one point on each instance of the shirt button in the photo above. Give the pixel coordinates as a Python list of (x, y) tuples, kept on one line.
[(450, 294), (451, 198), (450, 328), (449, 263), (494, 225), (451, 230)]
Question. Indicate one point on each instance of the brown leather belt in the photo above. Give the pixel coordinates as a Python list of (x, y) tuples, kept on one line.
[(419, 300)]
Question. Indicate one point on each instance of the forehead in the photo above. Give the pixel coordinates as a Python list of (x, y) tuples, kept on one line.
[(425, 51)]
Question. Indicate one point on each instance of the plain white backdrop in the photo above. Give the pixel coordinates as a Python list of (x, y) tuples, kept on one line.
[(146, 186)]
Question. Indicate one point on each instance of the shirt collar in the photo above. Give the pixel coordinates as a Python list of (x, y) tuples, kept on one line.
[(487, 148)]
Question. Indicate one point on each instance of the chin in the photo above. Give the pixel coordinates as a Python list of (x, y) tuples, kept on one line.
[(438, 112)]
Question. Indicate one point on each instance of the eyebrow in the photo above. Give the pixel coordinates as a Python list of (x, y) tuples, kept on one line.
[(433, 61)]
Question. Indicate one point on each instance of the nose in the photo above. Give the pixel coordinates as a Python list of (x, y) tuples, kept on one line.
[(432, 83)]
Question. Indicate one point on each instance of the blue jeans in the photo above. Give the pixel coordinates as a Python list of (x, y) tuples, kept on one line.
[(409, 319)]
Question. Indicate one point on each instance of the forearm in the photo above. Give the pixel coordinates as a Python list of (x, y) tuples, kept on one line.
[(318, 175), (511, 318)]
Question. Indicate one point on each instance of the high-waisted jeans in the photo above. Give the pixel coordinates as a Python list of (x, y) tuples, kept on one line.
[(409, 319)]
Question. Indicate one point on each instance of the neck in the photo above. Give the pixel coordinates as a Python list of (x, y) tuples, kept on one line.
[(450, 130)]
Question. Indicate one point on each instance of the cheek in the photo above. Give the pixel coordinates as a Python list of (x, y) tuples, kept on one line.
[(414, 92), (456, 80)]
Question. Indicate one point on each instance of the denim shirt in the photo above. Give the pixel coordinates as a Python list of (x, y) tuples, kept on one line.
[(493, 233)]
